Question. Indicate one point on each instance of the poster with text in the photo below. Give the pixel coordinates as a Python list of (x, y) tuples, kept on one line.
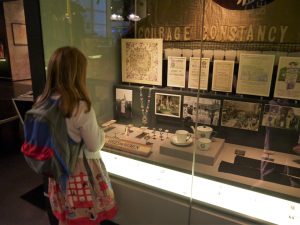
[(288, 78), (142, 61), (194, 73), (240, 21), (222, 75), (255, 74), (176, 71)]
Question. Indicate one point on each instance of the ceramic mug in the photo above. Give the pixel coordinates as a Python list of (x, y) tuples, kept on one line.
[(203, 143), (182, 136)]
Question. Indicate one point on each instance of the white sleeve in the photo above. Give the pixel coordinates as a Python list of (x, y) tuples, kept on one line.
[(92, 135)]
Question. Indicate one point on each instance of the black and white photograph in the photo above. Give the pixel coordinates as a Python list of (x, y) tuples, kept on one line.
[(123, 103), (208, 110), (167, 104), (281, 117), (242, 115)]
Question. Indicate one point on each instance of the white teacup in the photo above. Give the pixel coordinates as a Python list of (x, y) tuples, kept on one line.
[(182, 136), (203, 143)]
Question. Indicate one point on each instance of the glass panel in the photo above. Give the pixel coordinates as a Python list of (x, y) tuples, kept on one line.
[(253, 72), (86, 25), (205, 95), (133, 142)]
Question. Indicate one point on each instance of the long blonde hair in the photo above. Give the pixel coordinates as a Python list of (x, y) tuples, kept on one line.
[(66, 76)]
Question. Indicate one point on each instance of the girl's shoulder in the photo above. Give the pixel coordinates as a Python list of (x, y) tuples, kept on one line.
[(82, 105), (82, 109), (81, 116)]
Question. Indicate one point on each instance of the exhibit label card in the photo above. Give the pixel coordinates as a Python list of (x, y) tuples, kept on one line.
[(255, 74), (288, 78), (142, 61), (176, 71), (194, 73), (222, 75)]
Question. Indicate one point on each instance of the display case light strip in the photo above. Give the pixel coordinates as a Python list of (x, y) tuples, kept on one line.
[(152, 175), (247, 202), (250, 203)]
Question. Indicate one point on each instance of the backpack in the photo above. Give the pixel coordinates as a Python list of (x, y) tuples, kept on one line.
[(47, 148)]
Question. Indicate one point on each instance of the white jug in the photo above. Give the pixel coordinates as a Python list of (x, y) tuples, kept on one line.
[(202, 131)]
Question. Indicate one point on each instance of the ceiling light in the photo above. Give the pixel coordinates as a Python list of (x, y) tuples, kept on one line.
[(116, 17), (133, 17)]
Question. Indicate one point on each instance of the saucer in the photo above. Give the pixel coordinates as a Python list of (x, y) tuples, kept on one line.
[(175, 142)]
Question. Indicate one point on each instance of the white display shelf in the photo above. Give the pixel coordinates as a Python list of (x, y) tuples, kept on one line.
[(239, 200)]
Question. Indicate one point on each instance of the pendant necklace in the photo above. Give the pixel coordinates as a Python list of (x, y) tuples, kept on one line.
[(143, 109)]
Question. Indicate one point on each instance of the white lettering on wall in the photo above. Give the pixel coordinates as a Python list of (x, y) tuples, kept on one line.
[(260, 33)]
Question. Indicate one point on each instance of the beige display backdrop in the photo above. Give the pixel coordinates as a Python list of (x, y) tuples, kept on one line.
[(241, 21), (142, 61)]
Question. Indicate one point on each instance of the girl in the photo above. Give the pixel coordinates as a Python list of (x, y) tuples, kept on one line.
[(88, 198)]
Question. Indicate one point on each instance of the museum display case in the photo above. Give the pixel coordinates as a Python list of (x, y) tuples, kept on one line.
[(199, 100), (14, 60), (5, 70)]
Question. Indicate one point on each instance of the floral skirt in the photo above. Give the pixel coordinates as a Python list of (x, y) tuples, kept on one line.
[(84, 203)]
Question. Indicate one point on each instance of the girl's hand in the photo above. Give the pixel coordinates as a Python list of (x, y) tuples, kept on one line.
[(297, 149)]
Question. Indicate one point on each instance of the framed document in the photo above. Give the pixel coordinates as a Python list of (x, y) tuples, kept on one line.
[(255, 74), (288, 78), (176, 71), (222, 75), (167, 104), (19, 33), (142, 61), (194, 73)]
